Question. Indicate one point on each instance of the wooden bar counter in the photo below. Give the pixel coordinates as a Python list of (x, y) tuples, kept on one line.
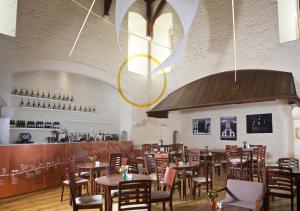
[(26, 168)]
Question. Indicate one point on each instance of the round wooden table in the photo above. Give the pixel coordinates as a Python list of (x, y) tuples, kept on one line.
[(111, 182), (182, 167), (91, 167)]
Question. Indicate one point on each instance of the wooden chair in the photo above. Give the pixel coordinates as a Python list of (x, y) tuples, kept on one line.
[(194, 160), (146, 148), (167, 194), (238, 165), (205, 180), (150, 167), (161, 164), (279, 182), (115, 162), (80, 182), (245, 194), (135, 195), (259, 163), (132, 166), (289, 162), (83, 202)]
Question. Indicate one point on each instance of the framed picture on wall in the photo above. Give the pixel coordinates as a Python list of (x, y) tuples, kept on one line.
[(228, 129), (201, 126), (259, 123)]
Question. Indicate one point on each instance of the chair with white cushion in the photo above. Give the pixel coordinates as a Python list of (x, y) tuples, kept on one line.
[(83, 202), (244, 194)]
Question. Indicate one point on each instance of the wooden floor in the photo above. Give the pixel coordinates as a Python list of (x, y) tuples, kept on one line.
[(50, 200)]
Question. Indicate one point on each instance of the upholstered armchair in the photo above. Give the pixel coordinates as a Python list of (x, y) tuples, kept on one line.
[(244, 194)]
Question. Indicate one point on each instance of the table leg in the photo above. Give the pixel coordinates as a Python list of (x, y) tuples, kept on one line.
[(251, 166), (105, 198), (184, 185), (91, 183), (109, 202), (298, 192)]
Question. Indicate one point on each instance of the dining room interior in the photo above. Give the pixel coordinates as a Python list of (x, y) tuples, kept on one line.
[(115, 105)]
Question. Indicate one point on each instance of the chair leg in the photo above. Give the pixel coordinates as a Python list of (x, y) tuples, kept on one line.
[(179, 190), (164, 206), (292, 203), (194, 190), (62, 192), (171, 205)]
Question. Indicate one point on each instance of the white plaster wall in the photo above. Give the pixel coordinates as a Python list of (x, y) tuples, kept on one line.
[(86, 91), (279, 143)]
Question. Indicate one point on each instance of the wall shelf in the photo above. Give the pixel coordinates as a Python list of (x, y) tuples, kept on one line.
[(90, 121), (44, 99), (55, 110), (40, 129)]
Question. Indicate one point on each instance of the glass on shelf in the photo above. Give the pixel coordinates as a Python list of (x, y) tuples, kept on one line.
[(43, 95), (26, 92), (15, 91), (94, 109), (80, 108), (49, 105), (44, 105), (54, 106), (59, 96), (59, 107), (21, 92), (34, 104), (70, 107), (75, 109), (28, 104), (72, 99), (37, 93), (54, 96)]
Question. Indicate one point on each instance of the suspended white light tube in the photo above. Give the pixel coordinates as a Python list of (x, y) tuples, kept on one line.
[(234, 39), (82, 28)]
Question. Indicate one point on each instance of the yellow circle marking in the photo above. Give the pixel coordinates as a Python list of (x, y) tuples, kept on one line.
[(147, 104)]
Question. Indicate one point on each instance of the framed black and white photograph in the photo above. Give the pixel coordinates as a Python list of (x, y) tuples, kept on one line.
[(259, 123), (228, 128), (201, 126)]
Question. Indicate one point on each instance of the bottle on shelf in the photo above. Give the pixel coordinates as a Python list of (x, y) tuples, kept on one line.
[(39, 105), (64, 107), (64, 97), (75, 109), (72, 99), (49, 105), (48, 95), (54, 106), (37, 93), (59, 107), (80, 108), (32, 93), (28, 103), (15, 91), (22, 92), (67, 98), (59, 96), (26, 92), (44, 105), (70, 107), (94, 109), (34, 105), (85, 109), (43, 95), (22, 103), (54, 96)]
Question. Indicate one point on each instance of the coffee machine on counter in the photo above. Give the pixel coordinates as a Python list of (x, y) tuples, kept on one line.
[(24, 138)]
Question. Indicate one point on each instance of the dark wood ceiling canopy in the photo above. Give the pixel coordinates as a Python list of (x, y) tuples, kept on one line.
[(220, 89), (107, 5), (151, 17)]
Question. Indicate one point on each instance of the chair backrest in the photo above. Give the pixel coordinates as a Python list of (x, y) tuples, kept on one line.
[(244, 190), (135, 195), (279, 178), (150, 164), (161, 163), (261, 156), (115, 162), (169, 179), (289, 162), (194, 155), (132, 166), (146, 148), (73, 187)]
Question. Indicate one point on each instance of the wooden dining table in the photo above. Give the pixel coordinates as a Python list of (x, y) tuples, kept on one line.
[(183, 167), (224, 208), (111, 182), (91, 167)]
